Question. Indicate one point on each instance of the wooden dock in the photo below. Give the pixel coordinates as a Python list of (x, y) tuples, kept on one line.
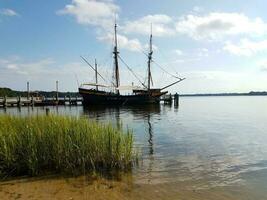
[(44, 101), (38, 101), (169, 98)]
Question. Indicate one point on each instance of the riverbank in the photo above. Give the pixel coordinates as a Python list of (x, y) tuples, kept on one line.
[(37, 145), (99, 188)]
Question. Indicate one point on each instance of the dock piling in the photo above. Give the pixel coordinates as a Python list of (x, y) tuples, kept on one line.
[(69, 100), (57, 91), (47, 111), (176, 99), (28, 90), (5, 101), (32, 101), (170, 98), (19, 101), (76, 100)]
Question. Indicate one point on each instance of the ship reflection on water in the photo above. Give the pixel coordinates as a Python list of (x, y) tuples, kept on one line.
[(139, 118), (116, 115)]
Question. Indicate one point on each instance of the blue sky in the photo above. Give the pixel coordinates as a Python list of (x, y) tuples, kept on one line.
[(219, 46)]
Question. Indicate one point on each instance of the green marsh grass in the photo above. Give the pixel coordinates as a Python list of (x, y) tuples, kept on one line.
[(34, 145)]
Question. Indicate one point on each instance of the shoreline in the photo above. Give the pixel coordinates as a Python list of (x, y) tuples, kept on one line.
[(84, 187)]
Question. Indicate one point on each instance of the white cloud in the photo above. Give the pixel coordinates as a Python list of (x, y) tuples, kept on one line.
[(8, 12), (161, 25), (203, 52), (12, 66), (197, 9), (217, 25), (176, 61), (212, 81), (17, 66), (178, 52), (92, 12), (42, 74), (264, 68), (3, 62), (246, 47), (100, 14), (123, 42), (263, 65), (130, 44)]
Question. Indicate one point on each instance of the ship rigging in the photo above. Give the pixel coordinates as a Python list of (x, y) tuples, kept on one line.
[(140, 95)]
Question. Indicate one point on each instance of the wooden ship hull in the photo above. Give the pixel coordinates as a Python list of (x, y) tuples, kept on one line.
[(91, 96)]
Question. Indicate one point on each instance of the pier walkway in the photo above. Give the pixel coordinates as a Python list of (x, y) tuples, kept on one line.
[(38, 101)]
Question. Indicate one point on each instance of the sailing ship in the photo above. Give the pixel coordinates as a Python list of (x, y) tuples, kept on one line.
[(140, 95)]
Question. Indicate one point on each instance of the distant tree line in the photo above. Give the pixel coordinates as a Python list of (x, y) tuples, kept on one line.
[(252, 93), (13, 93)]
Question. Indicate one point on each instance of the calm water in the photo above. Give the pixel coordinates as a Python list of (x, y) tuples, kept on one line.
[(207, 141)]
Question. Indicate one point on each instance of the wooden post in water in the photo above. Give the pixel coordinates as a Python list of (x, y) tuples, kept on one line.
[(32, 101), (76, 102), (47, 111), (5, 101), (19, 101), (170, 99), (69, 100), (176, 100), (57, 91), (28, 90)]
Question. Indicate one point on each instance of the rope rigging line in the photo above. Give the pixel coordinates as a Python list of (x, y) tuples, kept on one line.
[(165, 70), (94, 70), (142, 51), (132, 71), (162, 68)]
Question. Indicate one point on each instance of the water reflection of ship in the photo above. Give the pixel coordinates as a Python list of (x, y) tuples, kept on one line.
[(150, 136), (139, 113), (145, 113)]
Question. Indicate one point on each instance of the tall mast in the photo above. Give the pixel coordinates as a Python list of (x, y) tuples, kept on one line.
[(96, 82), (115, 52), (149, 60)]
